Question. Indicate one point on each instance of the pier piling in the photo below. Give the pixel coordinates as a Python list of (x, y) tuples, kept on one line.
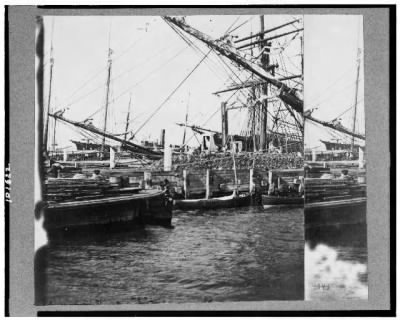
[(147, 179), (185, 183), (360, 158), (207, 183), (251, 182)]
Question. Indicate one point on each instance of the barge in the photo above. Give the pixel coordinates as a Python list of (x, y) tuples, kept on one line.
[(336, 212), (108, 211)]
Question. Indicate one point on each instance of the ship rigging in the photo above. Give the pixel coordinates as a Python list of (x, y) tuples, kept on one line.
[(258, 70)]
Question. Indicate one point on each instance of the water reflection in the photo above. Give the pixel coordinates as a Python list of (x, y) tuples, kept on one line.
[(336, 263)]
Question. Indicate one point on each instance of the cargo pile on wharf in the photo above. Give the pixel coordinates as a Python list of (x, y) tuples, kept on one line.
[(243, 160), (69, 172), (317, 189), (316, 170), (59, 189)]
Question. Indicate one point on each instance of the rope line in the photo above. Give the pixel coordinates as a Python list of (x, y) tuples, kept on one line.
[(171, 94)]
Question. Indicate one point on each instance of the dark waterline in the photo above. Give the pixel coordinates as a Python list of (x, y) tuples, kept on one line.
[(243, 254)]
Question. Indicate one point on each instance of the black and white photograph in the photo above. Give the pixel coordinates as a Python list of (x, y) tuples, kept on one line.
[(215, 160), (172, 159)]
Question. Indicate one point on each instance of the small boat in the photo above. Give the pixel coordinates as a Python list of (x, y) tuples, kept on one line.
[(110, 212), (234, 200), (230, 187), (231, 201), (278, 201)]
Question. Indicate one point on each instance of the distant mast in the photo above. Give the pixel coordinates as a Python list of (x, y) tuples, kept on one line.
[(107, 100), (46, 129), (356, 99), (127, 118), (54, 133)]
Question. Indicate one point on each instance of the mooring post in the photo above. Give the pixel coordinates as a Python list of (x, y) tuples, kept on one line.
[(269, 177), (313, 155), (167, 157), (147, 179), (112, 158), (185, 185), (360, 158), (162, 137), (251, 182), (207, 183)]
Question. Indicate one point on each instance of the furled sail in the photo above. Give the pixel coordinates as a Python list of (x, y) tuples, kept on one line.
[(127, 144), (335, 126)]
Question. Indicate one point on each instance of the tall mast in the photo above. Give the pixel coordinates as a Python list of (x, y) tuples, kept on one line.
[(54, 134), (253, 109), (264, 90), (107, 98), (127, 117), (46, 129), (355, 99), (302, 78)]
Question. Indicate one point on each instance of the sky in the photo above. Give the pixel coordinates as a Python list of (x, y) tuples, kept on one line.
[(149, 61), (330, 72)]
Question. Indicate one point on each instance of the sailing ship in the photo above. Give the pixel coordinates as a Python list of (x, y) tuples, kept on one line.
[(102, 135), (273, 102), (76, 204), (273, 95)]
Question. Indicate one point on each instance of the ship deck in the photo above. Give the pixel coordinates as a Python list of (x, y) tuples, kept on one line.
[(142, 194), (336, 203)]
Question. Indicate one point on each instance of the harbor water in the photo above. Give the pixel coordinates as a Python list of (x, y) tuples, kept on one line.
[(240, 254)]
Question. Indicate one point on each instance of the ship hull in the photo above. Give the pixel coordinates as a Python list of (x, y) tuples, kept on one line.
[(109, 213), (347, 211), (277, 201)]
